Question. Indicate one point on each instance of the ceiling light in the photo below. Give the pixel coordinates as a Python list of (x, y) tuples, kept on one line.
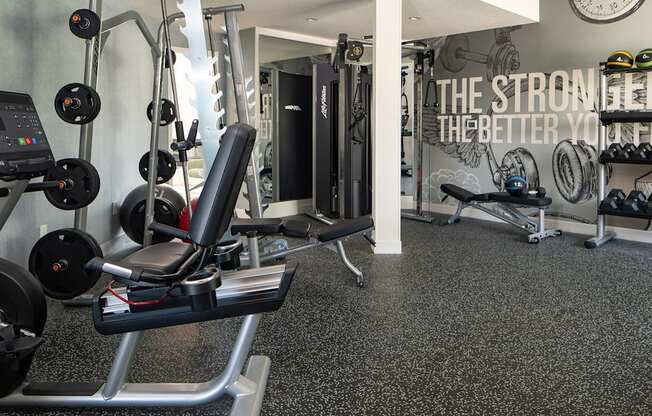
[(311, 19), (415, 18)]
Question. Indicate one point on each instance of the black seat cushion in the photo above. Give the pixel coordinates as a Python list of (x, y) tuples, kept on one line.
[(259, 226), (345, 228), (460, 193), (296, 229), (528, 200), (160, 259)]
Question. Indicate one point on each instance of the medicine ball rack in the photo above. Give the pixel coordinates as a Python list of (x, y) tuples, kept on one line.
[(608, 117)]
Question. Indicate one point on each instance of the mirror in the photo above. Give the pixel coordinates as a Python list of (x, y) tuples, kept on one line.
[(286, 117)]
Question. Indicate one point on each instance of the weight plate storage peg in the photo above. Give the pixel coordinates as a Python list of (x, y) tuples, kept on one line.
[(77, 103), (84, 23), (167, 166), (58, 261), (81, 184), (168, 112)]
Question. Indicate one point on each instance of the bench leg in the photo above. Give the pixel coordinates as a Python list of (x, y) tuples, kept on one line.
[(536, 238), (455, 218), (359, 277)]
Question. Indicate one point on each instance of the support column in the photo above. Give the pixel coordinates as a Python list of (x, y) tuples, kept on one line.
[(386, 126)]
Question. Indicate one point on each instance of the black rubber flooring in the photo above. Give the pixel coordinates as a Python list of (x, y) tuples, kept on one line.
[(470, 320)]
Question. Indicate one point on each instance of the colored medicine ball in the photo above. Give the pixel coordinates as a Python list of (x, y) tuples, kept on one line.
[(620, 60), (516, 185), (644, 58)]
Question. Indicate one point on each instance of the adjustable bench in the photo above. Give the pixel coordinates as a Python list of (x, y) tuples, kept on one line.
[(330, 236), (504, 206)]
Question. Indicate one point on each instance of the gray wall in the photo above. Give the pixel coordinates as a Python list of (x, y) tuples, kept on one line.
[(562, 41), (40, 55)]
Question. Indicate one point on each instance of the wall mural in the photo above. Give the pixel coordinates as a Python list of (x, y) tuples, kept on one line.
[(522, 100)]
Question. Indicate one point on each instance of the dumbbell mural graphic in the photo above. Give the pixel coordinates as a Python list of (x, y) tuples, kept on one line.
[(502, 59)]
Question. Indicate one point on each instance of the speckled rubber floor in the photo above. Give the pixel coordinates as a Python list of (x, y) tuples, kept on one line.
[(470, 320)]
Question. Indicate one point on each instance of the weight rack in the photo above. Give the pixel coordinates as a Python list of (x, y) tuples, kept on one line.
[(608, 117)]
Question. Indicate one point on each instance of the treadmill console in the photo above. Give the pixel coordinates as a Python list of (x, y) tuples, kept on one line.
[(24, 149)]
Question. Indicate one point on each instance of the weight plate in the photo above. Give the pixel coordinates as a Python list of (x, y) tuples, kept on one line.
[(77, 103), (22, 302), (83, 184), (84, 23), (168, 112), (167, 166), (167, 210), (174, 59), (58, 261)]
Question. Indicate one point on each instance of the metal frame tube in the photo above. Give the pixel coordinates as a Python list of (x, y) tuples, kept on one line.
[(152, 172), (11, 200), (113, 22), (91, 69), (242, 107)]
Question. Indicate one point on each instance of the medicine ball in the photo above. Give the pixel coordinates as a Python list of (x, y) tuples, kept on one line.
[(644, 58), (516, 186), (620, 60), (167, 209)]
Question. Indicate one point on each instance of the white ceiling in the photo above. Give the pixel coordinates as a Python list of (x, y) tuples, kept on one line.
[(356, 17)]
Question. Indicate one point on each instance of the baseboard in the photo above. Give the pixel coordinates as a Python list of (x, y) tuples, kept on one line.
[(388, 247), (566, 226)]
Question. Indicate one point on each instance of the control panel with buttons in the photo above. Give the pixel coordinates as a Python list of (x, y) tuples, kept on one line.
[(24, 148)]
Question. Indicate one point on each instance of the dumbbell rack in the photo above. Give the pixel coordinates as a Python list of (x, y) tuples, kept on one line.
[(608, 117)]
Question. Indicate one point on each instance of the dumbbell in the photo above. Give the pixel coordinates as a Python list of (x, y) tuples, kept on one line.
[(502, 59), (616, 151), (643, 152), (614, 200), (635, 202)]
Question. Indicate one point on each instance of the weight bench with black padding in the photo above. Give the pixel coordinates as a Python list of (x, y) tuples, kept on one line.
[(329, 236), (504, 206)]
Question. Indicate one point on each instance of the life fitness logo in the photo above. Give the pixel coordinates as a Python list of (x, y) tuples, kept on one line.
[(324, 105), (293, 108)]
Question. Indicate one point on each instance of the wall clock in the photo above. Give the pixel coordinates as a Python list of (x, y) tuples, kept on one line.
[(604, 11)]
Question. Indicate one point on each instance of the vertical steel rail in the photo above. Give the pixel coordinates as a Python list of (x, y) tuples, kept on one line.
[(244, 112), (181, 135), (418, 135), (152, 172), (91, 69)]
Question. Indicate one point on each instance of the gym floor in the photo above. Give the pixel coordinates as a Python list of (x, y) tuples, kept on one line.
[(470, 320)]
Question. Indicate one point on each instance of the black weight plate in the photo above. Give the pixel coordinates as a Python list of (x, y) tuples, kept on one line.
[(167, 209), (84, 23), (85, 180), (77, 103), (174, 59), (21, 298), (167, 167), (58, 261), (168, 112)]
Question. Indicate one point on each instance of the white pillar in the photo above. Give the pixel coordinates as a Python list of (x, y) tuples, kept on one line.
[(386, 126)]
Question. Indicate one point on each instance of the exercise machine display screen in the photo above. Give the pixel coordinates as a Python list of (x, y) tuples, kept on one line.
[(24, 148)]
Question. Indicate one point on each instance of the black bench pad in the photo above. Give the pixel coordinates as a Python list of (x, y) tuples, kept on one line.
[(258, 225), (345, 228), (165, 258), (462, 194), (529, 200)]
